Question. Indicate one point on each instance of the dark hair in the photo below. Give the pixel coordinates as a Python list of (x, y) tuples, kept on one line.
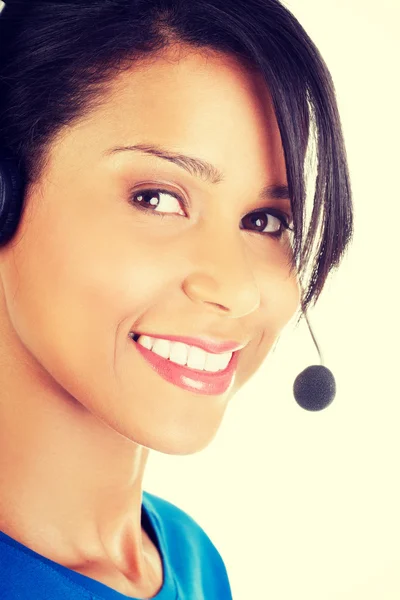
[(56, 59)]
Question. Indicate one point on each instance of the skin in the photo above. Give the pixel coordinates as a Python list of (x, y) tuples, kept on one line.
[(79, 406)]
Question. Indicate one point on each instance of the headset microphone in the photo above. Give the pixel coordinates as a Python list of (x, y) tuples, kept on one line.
[(315, 387)]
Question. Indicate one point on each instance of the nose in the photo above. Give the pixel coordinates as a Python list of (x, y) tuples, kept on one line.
[(222, 277)]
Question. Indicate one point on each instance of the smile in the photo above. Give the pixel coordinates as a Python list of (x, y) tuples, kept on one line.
[(182, 354), (161, 355)]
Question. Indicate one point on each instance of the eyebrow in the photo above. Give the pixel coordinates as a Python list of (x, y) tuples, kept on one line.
[(198, 168)]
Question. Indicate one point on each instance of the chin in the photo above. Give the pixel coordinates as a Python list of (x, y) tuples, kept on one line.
[(178, 424), (182, 443), (177, 441)]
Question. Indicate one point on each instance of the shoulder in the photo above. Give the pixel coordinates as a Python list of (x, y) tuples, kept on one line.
[(181, 532), (174, 520), (198, 566)]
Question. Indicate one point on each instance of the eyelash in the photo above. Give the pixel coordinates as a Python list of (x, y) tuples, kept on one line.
[(271, 211)]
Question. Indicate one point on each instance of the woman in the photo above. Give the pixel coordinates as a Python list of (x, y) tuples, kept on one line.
[(153, 216)]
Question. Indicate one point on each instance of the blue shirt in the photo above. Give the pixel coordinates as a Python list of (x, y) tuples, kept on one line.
[(193, 567)]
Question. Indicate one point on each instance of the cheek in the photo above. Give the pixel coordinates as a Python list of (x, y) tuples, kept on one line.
[(279, 285), (280, 309), (69, 285), (280, 297)]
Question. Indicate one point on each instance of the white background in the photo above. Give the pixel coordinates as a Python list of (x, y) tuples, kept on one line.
[(306, 505)]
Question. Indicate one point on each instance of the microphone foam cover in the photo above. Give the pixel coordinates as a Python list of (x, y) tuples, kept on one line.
[(314, 388)]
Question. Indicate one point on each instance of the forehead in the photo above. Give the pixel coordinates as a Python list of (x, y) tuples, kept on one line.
[(212, 88), (202, 103)]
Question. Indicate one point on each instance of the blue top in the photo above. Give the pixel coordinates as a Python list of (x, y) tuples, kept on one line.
[(193, 567)]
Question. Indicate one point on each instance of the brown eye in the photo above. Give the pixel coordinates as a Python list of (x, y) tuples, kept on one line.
[(155, 199), (268, 223)]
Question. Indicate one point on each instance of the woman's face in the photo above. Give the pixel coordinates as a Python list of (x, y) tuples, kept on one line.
[(88, 265)]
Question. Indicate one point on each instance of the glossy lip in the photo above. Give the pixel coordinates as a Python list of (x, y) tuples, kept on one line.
[(206, 344), (192, 380)]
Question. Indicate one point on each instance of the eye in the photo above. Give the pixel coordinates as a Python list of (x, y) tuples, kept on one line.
[(271, 222), (151, 200)]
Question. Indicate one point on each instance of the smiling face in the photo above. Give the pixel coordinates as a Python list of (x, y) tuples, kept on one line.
[(90, 263)]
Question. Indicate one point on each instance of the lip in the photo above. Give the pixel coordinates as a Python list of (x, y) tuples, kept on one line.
[(206, 344), (192, 380)]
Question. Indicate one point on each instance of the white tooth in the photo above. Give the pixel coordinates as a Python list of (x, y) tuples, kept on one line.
[(226, 357), (213, 363), (146, 341), (179, 353), (192, 356), (162, 348), (196, 358), (217, 362)]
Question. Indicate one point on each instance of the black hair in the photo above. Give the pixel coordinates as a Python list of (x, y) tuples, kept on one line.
[(57, 57)]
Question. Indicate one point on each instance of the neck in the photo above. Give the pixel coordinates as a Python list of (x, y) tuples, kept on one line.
[(70, 486)]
